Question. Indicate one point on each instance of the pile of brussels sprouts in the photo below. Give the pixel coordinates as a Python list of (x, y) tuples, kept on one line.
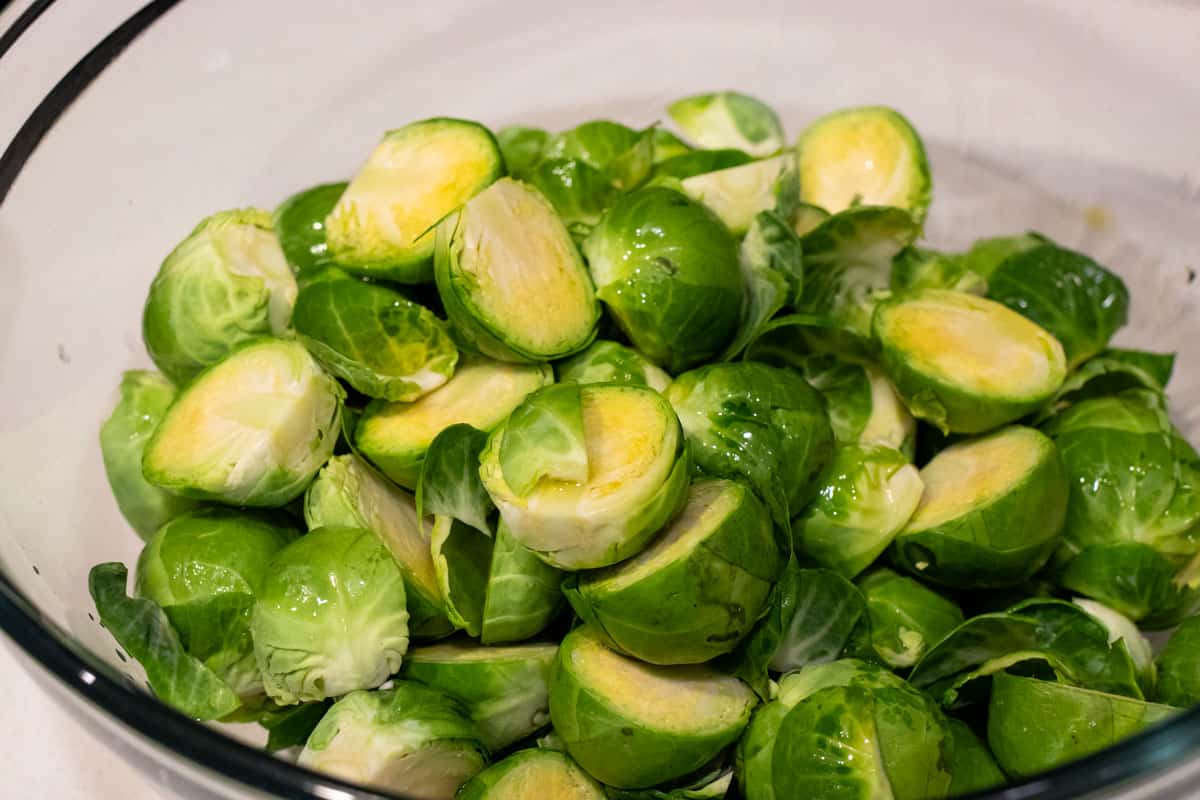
[(604, 464)]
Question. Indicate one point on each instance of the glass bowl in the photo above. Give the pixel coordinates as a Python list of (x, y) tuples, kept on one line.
[(1076, 119)]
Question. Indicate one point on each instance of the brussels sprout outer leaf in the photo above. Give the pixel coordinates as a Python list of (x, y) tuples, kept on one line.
[(375, 339), (143, 630), (907, 618), (729, 119), (292, 725), (544, 438), (144, 399), (1179, 667), (985, 255), (772, 272), (920, 268), (973, 767), (522, 594), (522, 148), (1133, 578), (1080, 302), (579, 193), (667, 145), (1084, 722), (596, 143), (698, 162), (787, 340), (1112, 372), (449, 484), (461, 559), (300, 226)]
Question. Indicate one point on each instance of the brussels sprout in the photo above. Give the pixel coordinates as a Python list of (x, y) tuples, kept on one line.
[(226, 283), (503, 688), (144, 398), (1112, 372), (347, 493), (300, 226), (907, 617), (251, 430), (522, 594), (772, 273), (921, 268), (787, 340), (596, 143), (964, 363), (610, 362), (1073, 644), (375, 339), (579, 193), (737, 194), (382, 226), (632, 725), (863, 405), (1120, 628), (204, 569), (409, 739), (613, 471), (143, 629), (757, 423), (985, 255), (973, 768), (461, 555), (865, 495), (505, 246), (658, 259), (869, 156), (848, 262), (1133, 480), (330, 616), (815, 616), (1078, 301), (290, 726), (450, 484), (806, 217), (711, 782), (396, 436), (1179, 667), (698, 162), (522, 148), (1084, 722), (729, 119), (696, 590), (533, 773), (667, 145), (991, 513)]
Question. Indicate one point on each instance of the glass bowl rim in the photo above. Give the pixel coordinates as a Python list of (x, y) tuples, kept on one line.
[(1167, 745)]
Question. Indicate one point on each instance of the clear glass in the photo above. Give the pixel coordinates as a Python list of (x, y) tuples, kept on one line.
[(1049, 116)]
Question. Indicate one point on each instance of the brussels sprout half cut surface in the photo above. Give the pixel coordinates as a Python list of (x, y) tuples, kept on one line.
[(513, 282), (633, 725), (410, 739), (503, 688), (251, 430), (348, 493), (635, 479), (530, 774), (864, 156), (991, 513), (228, 282), (396, 436), (729, 119), (696, 590), (737, 194), (382, 226), (963, 363)]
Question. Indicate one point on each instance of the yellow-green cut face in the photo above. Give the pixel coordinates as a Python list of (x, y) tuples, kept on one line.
[(548, 774), (868, 156), (679, 699)]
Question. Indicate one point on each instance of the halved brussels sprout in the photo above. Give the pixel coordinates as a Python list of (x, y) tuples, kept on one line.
[(375, 339), (347, 493), (696, 590), (409, 739), (1078, 301), (522, 147), (907, 617), (729, 119), (698, 162), (737, 194), (1134, 481), (382, 226), (764, 425), (533, 773), (870, 156), (587, 482), (632, 725), (226, 283), (1179, 667), (503, 688), (204, 569), (991, 513), (331, 616), (973, 768), (144, 398), (481, 393), (863, 405), (522, 595), (964, 363), (300, 226), (658, 259), (865, 495), (610, 362), (505, 246), (1083, 722), (251, 430)]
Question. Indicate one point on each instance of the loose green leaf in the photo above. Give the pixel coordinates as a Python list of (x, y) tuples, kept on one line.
[(772, 272), (300, 226), (450, 484), (290, 726), (522, 148), (543, 438)]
